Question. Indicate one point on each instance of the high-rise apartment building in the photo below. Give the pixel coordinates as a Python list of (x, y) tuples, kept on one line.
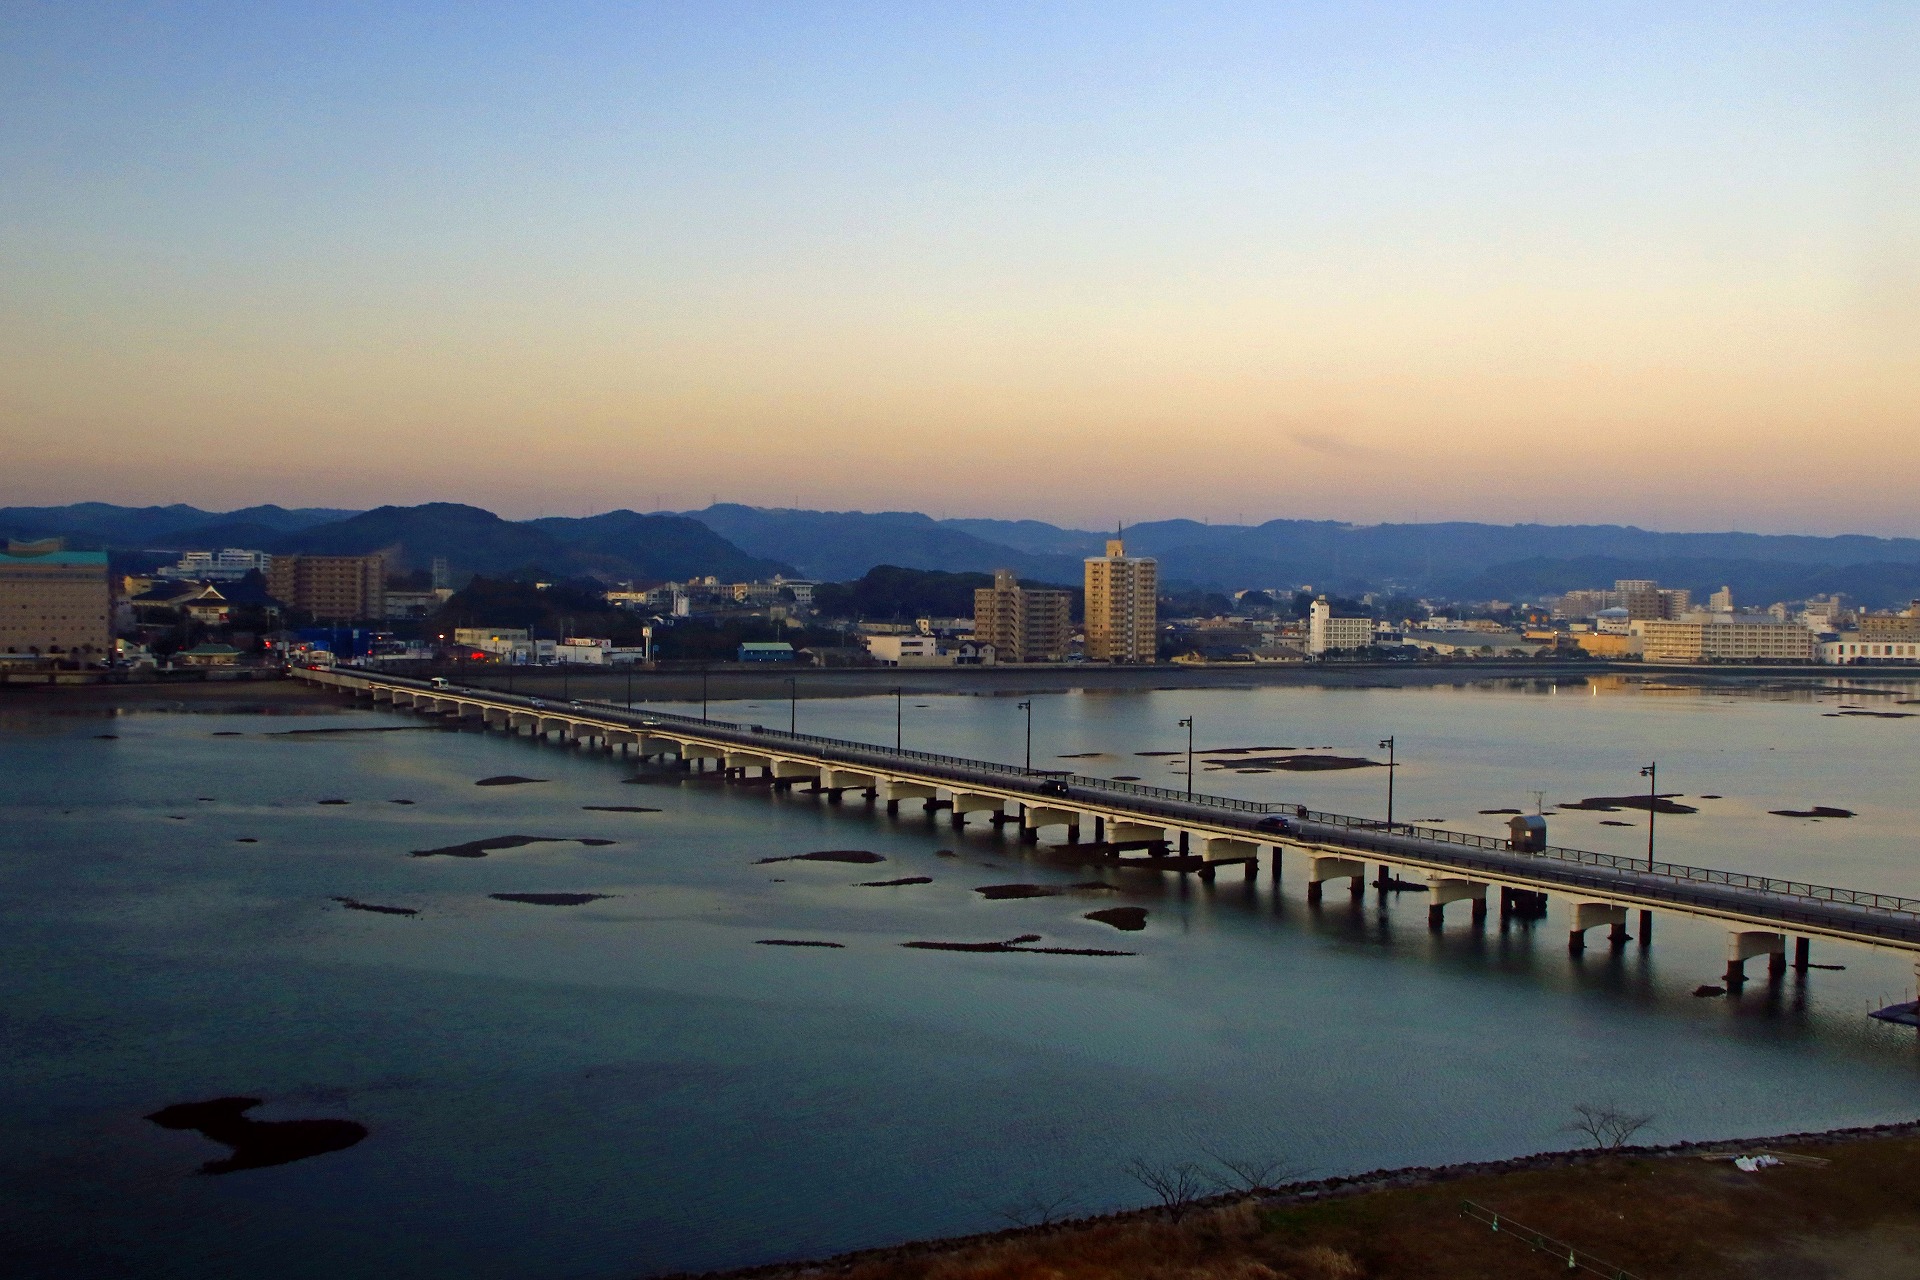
[(1122, 606), (1022, 624), (331, 588), (55, 602)]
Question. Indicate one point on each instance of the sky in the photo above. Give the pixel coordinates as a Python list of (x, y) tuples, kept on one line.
[(1654, 264)]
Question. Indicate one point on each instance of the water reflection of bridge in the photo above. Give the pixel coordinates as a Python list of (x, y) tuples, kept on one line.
[(1193, 833)]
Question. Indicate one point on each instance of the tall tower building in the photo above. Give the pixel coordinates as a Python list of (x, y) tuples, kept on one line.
[(1122, 606), (1022, 625)]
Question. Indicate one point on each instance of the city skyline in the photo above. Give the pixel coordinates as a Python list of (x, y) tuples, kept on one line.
[(1075, 264)]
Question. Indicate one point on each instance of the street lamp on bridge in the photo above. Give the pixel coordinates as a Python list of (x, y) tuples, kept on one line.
[(1027, 707), (1386, 744), (1651, 773), (1187, 724)]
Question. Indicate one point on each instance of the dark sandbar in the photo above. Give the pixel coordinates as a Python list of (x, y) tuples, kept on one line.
[(245, 840), (888, 884), (860, 856), (1295, 763), (481, 848), (621, 808), (505, 780), (1614, 822), (1013, 946), (1613, 804), (1500, 811), (996, 892), (354, 905), (1818, 811), (551, 899), (796, 942), (333, 802), (257, 1143), (1130, 919)]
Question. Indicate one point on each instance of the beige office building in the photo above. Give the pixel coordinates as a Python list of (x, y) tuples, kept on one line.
[(331, 588), (1123, 622), (1022, 624), (54, 602)]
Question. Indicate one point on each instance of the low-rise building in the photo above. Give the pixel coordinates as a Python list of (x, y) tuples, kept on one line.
[(765, 651), (584, 649), (1851, 648), (907, 651), (1473, 644), (210, 654)]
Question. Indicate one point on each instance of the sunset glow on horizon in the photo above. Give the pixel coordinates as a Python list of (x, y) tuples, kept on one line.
[(1625, 264)]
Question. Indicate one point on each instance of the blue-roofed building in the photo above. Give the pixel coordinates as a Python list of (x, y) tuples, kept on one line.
[(763, 651), (54, 603)]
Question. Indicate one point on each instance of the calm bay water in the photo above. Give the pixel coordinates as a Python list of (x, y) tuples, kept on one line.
[(632, 1086)]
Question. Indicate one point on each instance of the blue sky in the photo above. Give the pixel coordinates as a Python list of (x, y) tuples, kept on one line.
[(1079, 262)]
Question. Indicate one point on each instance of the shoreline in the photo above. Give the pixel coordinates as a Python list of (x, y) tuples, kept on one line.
[(1294, 1195), (734, 682)]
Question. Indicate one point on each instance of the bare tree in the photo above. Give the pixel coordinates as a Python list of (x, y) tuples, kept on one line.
[(1176, 1184), (1249, 1173), (1606, 1125), (1032, 1208)]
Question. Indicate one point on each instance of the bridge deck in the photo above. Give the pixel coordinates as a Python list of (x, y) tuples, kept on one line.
[(1757, 902)]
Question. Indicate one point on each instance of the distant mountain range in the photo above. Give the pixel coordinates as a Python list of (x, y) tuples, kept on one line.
[(616, 545), (733, 542)]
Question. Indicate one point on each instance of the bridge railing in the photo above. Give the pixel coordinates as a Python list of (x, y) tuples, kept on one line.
[(1168, 801)]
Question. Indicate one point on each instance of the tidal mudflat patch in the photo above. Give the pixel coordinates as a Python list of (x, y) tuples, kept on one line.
[(857, 856), (1818, 811), (354, 904), (1666, 803), (481, 848), (798, 942), (890, 884), (1021, 945), (551, 899), (257, 1144), (334, 800), (506, 780), (621, 808), (1129, 919)]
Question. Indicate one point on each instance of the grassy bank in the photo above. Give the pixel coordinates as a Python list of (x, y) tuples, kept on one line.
[(1656, 1213)]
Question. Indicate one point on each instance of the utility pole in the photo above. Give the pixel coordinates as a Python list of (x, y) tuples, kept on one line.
[(1187, 724), (1387, 743), (898, 715), (1027, 707), (1652, 774), (793, 706)]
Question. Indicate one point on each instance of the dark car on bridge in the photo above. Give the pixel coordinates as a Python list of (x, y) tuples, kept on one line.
[(1275, 823), (1053, 787)]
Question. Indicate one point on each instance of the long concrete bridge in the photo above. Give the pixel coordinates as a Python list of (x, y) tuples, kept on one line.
[(1157, 827)]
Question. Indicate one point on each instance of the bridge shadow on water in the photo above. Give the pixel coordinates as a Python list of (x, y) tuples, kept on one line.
[(1388, 925)]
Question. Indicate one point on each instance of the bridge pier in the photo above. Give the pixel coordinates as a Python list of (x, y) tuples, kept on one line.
[(1444, 889), (1646, 929), (1744, 944), (1588, 914), (1802, 961), (1322, 868)]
